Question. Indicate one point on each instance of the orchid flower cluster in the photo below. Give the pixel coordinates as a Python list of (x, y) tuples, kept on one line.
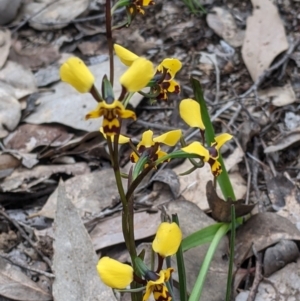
[(119, 275), (160, 81)]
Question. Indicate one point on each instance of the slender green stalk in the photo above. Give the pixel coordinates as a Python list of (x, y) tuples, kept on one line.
[(231, 257), (197, 289), (180, 267)]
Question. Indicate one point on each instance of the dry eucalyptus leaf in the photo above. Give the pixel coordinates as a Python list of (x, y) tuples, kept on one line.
[(5, 42), (221, 210), (90, 193), (8, 10), (74, 260), (192, 219), (17, 286), (10, 110), (282, 285), (34, 57), (284, 141), (278, 96), (54, 16), (262, 230), (69, 107), (265, 38), (22, 177), (223, 24), (109, 232), (278, 256), (19, 78), (29, 136), (169, 177)]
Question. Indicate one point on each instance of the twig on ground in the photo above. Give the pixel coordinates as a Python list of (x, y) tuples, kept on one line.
[(258, 275), (27, 267), (25, 236)]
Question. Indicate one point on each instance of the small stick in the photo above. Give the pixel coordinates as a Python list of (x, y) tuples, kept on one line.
[(25, 236), (258, 275), (7, 257)]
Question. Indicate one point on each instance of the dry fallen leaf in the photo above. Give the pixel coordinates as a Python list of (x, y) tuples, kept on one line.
[(284, 141), (278, 96), (15, 285), (22, 178), (90, 193), (262, 230), (221, 210), (223, 24), (8, 10), (5, 41), (109, 232), (53, 15), (33, 57), (282, 285), (19, 78), (74, 260), (10, 110), (29, 136), (265, 37)]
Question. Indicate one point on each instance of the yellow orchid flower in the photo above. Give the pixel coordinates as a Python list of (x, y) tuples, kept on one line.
[(139, 4), (114, 273), (122, 139), (138, 75), (77, 74), (190, 112), (156, 285), (142, 72), (167, 239), (111, 113), (151, 145), (126, 57), (210, 154), (170, 67)]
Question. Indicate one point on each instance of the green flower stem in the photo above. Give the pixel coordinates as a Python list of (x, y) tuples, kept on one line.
[(127, 99), (109, 39), (120, 3), (231, 258), (197, 289)]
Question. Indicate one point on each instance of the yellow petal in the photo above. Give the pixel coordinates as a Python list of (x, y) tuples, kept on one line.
[(127, 57), (169, 138), (122, 139), (167, 240), (147, 2), (114, 273), (147, 139), (221, 139), (95, 113), (172, 65), (137, 75), (127, 114), (77, 74), (215, 167), (173, 87), (189, 110), (197, 148)]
